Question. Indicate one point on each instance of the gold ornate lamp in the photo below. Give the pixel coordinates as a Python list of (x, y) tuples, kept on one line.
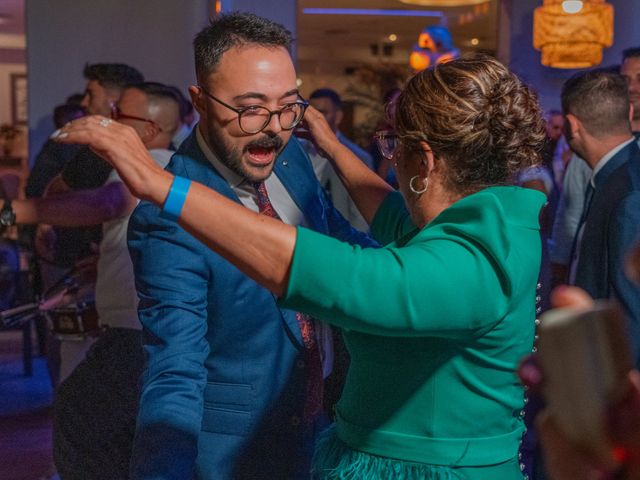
[(572, 33)]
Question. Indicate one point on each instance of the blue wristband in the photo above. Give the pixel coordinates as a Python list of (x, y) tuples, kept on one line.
[(175, 200)]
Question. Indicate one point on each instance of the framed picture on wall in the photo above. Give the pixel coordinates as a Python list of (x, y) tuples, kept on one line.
[(19, 106)]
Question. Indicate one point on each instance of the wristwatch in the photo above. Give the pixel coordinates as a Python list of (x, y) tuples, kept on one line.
[(7, 215)]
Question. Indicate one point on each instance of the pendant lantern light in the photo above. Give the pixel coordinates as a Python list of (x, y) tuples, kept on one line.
[(572, 33)]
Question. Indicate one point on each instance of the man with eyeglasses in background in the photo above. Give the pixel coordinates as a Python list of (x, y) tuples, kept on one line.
[(96, 405), (60, 248), (232, 384)]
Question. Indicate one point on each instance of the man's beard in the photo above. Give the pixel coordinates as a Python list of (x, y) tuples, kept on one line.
[(231, 157)]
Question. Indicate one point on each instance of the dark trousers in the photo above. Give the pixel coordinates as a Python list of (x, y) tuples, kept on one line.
[(96, 407)]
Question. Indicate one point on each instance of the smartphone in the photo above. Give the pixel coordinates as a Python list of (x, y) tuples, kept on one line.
[(585, 357)]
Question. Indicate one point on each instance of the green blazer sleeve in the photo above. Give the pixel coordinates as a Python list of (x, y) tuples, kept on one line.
[(450, 280)]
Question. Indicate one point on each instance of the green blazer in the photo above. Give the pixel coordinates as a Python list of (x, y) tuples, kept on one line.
[(435, 323)]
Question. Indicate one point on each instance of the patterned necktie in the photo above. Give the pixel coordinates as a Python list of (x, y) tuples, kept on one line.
[(313, 401)]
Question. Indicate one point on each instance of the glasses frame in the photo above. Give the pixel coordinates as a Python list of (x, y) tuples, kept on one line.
[(380, 136), (240, 111), (116, 114)]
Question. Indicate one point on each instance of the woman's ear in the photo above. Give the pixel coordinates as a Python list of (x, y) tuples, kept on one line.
[(427, 160)]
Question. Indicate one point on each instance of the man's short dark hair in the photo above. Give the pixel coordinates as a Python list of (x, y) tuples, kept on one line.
[(74, 99), (112, 75), (328, 93), (231, 30), (65, 113), (633, 52), (600, 100)]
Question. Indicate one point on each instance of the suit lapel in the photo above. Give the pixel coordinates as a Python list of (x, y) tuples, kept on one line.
[(293, 169), (199, 168)]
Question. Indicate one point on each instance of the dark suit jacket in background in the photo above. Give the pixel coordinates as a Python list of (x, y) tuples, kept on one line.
[(612, 228), (225, 379)]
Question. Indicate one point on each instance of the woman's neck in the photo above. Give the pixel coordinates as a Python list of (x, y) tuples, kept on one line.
[(433, 202)]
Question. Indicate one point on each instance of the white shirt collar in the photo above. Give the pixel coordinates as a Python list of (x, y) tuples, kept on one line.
[(608, 156)]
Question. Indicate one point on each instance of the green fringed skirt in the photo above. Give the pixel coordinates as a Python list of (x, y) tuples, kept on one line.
[(335, 460)]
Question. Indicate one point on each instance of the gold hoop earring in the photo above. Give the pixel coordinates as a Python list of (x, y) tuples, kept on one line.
[(425, 182)]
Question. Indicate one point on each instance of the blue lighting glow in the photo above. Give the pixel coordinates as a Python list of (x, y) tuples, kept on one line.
[(372, 11)]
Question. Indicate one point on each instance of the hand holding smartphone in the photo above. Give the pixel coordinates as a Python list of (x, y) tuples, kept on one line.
[(585, 357)]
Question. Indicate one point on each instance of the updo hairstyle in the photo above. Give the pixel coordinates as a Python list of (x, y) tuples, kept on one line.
[(477, 116)]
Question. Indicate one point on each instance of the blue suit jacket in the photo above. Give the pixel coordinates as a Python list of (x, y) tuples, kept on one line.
[(612, 227), (224, 382)]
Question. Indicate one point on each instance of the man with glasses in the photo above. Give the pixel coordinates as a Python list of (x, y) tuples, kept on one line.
[(232, 384), (96, 406), (58, 247)]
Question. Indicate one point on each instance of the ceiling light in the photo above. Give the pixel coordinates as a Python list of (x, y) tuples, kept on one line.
[(475, 42), (570, 38), (393, 37)]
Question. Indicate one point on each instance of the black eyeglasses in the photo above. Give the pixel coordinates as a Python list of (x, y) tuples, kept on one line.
[(116, 114), (387, 142), (254, 118)]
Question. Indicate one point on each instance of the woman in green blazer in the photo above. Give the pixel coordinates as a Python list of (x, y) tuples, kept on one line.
[(435, 321)]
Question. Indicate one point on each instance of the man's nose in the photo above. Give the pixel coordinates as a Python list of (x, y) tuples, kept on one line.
[(274, 124)]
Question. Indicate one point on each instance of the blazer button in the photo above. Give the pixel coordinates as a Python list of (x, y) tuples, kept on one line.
[(295, 420), (300, 363)]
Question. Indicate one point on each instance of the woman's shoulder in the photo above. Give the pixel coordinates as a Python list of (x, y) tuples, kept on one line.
[(490, 222), (496, 205)]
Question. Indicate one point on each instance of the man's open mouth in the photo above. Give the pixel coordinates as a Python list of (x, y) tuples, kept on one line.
[(261, 155)]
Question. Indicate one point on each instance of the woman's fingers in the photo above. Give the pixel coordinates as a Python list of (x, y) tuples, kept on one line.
[(322, 135), (566, 296)]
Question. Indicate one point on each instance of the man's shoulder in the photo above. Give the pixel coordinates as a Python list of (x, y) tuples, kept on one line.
[(622, 181)]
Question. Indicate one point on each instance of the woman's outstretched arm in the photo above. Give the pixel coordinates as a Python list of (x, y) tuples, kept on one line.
[(365, 187), (260, 246)]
